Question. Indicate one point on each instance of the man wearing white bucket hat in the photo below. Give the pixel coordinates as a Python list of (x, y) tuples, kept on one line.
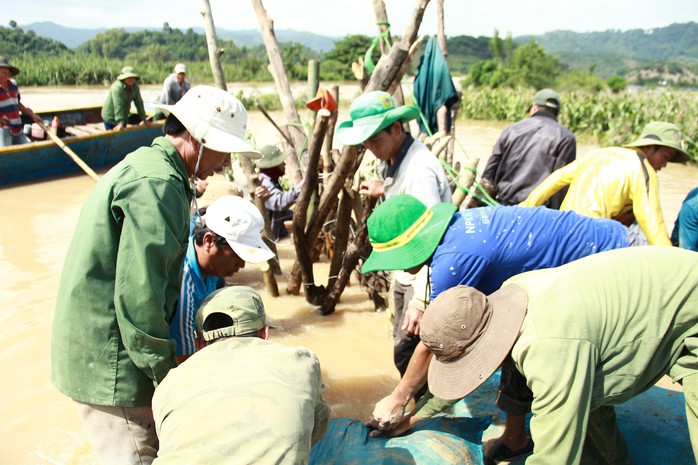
[(111, 335), (229, 236)]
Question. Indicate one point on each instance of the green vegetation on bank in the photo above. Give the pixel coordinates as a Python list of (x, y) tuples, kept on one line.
[(605, 118)]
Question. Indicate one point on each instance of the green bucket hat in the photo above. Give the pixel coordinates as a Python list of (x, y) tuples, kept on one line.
[(241, 303), (404, 233), (271, 156), (127, 72), (371, 113), (661, 133)]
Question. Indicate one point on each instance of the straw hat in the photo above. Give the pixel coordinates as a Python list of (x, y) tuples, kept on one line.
[(404, 233), (127, 72), (470, 334), (215, 118), (371, 113)]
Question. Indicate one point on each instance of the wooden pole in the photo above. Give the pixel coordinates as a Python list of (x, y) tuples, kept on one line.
[(69, 152), (382, 17), (465, 179), (272, 265), (276, 66), (304, 244), (214, 52), (440, 30)]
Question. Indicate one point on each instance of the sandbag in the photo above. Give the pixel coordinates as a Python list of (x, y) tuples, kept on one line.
[(441, 439)]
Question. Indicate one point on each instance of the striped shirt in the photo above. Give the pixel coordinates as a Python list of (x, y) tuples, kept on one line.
[(195, 288), (9, 107)]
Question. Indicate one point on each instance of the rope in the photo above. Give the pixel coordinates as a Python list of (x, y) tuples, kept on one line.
[(368, 60)]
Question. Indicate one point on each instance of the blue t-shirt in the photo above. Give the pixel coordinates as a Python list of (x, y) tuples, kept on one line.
[(685, 233), (483, 247), (195, 288)]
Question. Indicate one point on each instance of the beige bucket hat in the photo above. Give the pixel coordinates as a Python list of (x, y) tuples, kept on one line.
[(215, 118)]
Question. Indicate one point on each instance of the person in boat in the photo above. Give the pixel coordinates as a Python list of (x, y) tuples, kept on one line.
[(406, 167), (528, 151), (226, 237), (585, 336), (685, 233), (277, 201), (111, 342), (479, 247), (619, 182), (261, 402), (11, 106), (117, 105)]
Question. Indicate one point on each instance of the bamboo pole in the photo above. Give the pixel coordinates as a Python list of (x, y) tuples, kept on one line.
[(276, 66), (214, 52), (84, 166)]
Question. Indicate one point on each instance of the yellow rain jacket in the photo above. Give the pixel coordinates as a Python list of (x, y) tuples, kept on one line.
[(605, 184)]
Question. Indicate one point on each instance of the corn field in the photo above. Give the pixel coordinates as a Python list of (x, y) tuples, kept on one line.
[(605, 118)]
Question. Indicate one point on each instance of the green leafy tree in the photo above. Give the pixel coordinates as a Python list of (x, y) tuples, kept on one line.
[(617, 84), (346, 51)]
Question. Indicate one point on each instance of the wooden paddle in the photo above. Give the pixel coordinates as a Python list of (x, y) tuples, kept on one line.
[(69, 152)]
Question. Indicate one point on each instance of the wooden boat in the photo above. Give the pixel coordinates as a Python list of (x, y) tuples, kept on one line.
[(85, 135)]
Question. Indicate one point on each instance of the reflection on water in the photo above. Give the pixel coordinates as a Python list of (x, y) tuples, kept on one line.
[(36, 224)]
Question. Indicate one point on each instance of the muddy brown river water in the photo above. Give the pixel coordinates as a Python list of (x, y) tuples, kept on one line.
[(39, 425)]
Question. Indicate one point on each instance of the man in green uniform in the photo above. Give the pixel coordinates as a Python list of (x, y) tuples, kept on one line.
[(586, 336), (122, 274), (240, 398), (117, 105)]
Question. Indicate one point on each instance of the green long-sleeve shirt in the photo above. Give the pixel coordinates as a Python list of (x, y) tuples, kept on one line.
[(118, 103), (600, 331), (120, 281)]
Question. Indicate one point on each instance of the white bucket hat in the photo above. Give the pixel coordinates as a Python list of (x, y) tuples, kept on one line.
[(215, 118), (241, 224)]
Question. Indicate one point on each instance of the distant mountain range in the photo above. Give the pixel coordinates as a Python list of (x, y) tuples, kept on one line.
[(72, 37)]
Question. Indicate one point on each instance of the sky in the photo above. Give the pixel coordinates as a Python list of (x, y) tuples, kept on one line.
[(338, 18)]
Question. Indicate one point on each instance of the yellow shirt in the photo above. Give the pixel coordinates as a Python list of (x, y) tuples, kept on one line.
[(606, 183)]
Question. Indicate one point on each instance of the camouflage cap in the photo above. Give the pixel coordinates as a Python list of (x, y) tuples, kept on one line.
[(241, 303)]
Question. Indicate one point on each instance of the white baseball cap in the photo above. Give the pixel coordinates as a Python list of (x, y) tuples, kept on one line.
[(180, 68), (215, 118), (241, 224)]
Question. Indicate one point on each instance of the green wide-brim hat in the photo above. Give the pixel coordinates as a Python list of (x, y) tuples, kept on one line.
[(127, 72), (661, 133), (370, 113), (271, 156), (404, 233)]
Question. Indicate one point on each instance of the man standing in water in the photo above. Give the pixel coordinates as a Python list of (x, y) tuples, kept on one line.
[(407, 167), (121, 278), (528, 151)]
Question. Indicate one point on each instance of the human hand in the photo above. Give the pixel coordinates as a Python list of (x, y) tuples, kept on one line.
[(148, 123), (261, 192), (406, 423), (410, 323), (119, 127), (387, 413), (372, 188)]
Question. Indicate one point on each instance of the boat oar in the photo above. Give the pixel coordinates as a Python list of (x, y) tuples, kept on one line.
[(69, 152)]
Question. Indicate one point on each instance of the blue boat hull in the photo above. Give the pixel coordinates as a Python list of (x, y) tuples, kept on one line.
[(44, 160)]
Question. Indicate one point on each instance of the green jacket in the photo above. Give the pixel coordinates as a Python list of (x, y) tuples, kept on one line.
[(118, 103), (120, 281)]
